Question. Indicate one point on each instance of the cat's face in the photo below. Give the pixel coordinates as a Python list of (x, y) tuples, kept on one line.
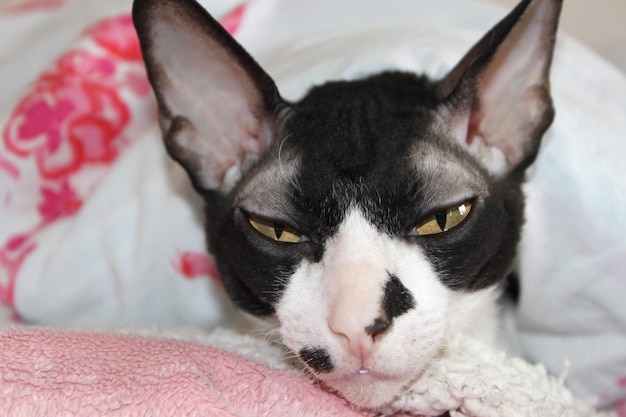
[(372, 218), (369, 232), (369, 251)]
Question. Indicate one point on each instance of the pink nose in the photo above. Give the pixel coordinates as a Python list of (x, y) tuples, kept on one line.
[(357, 328)]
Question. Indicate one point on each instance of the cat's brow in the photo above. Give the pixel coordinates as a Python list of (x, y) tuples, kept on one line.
[(445, 177), (268, 190)]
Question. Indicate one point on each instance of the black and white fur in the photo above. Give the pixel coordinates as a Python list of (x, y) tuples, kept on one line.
[(354, 166)]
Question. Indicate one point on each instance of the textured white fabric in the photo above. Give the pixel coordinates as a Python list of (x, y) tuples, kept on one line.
[(475, 380)]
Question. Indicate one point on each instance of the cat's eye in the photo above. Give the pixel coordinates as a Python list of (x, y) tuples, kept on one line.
[(275, 231), (444, 220)]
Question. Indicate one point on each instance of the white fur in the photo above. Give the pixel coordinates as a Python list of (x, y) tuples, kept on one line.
[(350, 280)]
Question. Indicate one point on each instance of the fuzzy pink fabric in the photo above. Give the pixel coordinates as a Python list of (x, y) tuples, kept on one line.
[(79, 373)]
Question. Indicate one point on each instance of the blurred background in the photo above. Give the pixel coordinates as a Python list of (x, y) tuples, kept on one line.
[(600, 24)]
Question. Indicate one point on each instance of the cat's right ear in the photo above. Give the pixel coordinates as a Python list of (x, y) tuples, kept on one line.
[(217, 107), (497, 98)]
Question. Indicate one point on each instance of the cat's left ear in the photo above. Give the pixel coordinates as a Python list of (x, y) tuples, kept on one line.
[(497, 98), (218, 109)]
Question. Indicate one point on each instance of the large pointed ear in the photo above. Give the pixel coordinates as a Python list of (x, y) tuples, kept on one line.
[(497, 98), (217, 107)]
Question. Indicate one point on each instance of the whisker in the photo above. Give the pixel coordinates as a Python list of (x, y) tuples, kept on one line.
[(280, 152)]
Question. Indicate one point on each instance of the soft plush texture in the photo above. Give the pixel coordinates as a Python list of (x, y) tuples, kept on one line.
[(82, 373), (43, 372), (93, 235)]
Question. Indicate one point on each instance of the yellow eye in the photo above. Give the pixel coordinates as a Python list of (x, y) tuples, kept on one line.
[(275, 231), (444, 220)]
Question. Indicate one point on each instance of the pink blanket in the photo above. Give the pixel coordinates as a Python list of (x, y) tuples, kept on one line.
[(46, 372), (60, 373)]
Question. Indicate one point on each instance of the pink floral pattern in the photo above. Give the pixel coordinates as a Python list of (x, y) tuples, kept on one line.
[(58, 203), (117, 36), (193, 265), (24, 6), (12, 255), (233, 20), (620, 407), (73, 116), (70, 125), (9, 168)]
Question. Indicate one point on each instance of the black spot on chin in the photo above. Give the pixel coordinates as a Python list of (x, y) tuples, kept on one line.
[(397, 299), (317, 359)]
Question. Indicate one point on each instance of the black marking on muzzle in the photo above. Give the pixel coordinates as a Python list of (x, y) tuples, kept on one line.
[(317, 359), (397, 299), (379, 326)]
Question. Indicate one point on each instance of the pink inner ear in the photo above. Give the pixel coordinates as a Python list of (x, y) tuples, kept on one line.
[(473, 125)]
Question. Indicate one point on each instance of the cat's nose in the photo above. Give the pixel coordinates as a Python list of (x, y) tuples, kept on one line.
[(358, 331)]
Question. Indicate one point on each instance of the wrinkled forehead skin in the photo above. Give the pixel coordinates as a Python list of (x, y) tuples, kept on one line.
[(382, 149)]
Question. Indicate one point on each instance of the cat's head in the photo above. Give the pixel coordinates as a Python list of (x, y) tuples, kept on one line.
[(372, 218)]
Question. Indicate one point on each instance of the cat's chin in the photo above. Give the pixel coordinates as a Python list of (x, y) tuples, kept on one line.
[(368, 390)]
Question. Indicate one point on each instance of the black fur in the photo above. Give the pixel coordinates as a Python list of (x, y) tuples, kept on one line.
[(397, 299), (318, 359)]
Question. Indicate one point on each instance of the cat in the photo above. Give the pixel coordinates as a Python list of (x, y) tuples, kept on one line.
[(372, 218)]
